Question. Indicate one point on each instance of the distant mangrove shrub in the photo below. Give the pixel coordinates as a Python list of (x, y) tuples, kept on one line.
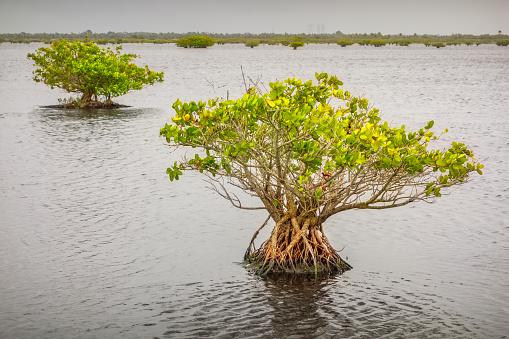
[(402, 42), (438, 44), (502, 42), (195, 42), (296, 44), (377, 43), (252, 43), (344, 43), (372, 42)]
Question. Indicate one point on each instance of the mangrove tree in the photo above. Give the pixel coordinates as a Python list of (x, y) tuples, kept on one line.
[(308, 151), (98, 74)]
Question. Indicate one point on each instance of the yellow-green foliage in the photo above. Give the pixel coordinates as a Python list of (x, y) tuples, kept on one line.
[(296, 44), (291, 145), (344, 42), (252, 43), (195, 42)]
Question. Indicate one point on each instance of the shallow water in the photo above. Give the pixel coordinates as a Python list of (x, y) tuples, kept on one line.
[(96, 242)]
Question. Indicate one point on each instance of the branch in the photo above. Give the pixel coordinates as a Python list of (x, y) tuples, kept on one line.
[(388, 206), (243, 77), (235, 201)]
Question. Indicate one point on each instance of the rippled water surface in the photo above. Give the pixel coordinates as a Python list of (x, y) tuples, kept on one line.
[(96, 242)]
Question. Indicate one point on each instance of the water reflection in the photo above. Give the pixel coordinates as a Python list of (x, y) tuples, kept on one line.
[(332, 308), (88, 114), (296, 309)]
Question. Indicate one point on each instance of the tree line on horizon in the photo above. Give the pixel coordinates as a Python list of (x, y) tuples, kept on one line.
[(262, 38)]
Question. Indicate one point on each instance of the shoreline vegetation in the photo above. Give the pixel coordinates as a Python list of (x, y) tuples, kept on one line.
[(373, 39)]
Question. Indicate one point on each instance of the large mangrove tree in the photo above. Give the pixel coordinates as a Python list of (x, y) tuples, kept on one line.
[(309, 151)]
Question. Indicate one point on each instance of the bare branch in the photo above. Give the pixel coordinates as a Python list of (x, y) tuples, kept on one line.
[(234, 200)]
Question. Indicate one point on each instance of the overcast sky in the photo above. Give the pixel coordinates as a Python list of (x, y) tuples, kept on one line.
[(443, 17)]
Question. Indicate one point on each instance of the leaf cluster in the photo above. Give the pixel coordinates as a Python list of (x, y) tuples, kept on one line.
[(293, 148)]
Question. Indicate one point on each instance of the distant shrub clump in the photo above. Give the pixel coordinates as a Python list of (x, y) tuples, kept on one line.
[(402, 42), (372, 42), (195, 42), (344, 43), (296, 44), (438, 44), (252, 43)]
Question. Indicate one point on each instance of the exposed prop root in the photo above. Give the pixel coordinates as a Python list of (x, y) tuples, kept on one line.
[(251, 246), (295, 248)]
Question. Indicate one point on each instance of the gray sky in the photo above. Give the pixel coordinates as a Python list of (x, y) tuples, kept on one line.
[(443, 17)]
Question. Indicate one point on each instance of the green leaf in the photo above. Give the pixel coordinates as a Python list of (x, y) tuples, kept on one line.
[(318, 193), (169, 171)]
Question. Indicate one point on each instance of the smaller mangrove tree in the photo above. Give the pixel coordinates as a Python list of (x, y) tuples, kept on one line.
[(97, 74)]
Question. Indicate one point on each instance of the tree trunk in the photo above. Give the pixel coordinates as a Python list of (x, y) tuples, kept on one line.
[(296, 245), (86, 97)]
